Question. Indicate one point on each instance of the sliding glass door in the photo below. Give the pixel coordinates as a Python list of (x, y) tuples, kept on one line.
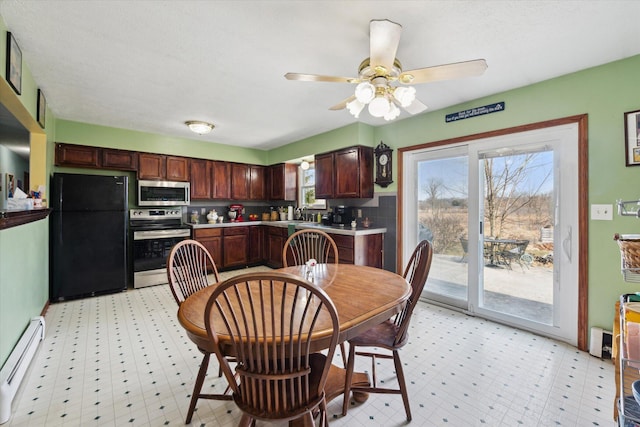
[(501, 214)]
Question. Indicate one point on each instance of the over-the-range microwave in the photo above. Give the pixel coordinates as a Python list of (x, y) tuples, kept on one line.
[(163, 193)]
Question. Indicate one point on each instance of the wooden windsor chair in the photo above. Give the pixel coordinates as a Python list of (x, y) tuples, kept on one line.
[(190, 268), (304, 245), (392, 334), (269, 322)]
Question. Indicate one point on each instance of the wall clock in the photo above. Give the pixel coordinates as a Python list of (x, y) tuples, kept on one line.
[(384, 175)]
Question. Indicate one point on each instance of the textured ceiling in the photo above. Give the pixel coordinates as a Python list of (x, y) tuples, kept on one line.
[(151, 65)]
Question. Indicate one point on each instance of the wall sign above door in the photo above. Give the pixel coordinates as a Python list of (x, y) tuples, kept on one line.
[(478, 111)]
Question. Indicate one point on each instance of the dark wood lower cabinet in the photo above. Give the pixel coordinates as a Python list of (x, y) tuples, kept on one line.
[(360, 250), (211, 238), (256, 243), (276, 236), (234, 247)]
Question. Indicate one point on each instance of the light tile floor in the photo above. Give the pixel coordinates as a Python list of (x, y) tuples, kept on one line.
[(124, 360)]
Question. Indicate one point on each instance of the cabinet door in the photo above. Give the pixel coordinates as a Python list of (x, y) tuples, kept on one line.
[(200, 179), (324, 175), (257, 180), (239, 181), (234, 246), (119, 159), (151, 166), (275, 244), (256, 241), (283, 182), (77, 156), (347, 173), (276, 182), (221, 180), (211, 238), (177, 168)]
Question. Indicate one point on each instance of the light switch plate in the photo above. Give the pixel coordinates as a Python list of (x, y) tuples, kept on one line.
[(602, 212)]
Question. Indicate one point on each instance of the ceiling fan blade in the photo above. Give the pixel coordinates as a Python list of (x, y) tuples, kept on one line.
[(342, 104), (456, 70), (416, 107), (320, 78), (384, 38)]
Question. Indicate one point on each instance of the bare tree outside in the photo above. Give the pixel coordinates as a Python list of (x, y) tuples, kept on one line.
[(509, 191), (517, 202)]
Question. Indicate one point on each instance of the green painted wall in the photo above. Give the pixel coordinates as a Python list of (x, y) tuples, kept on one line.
[(24, 280), (24, 250), (102, 136)]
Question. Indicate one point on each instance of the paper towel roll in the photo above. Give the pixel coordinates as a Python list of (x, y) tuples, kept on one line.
[(290, 213)]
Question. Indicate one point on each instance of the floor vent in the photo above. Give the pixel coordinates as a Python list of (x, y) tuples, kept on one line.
[(16, 365)]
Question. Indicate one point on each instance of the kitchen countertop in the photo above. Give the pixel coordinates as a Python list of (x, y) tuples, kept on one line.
[(300, 225)]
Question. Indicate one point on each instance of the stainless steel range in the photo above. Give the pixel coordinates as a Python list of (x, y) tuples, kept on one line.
[(155, 232)]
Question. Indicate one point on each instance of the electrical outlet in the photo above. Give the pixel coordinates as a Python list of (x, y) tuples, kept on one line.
[(602, 212), (203, 211), (359, 213)]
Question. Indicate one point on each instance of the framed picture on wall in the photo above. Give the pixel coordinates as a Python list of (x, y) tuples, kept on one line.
[(42, 108), (632, 137), (11, 185), (14, 64)]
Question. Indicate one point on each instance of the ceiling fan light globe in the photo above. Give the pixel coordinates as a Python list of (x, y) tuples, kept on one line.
[(393, 113), (379, 107), (365, 92), (405, 95), (355, 107)]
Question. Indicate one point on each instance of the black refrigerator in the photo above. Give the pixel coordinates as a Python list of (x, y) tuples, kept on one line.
[(88, 235)]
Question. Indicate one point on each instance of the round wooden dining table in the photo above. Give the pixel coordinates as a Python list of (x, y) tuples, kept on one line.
[(363, 297)]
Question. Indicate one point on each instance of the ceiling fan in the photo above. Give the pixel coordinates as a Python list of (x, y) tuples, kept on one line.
[(377, 73)]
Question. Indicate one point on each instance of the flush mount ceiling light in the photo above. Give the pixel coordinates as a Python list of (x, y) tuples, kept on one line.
[(381, 82), (199, 127)]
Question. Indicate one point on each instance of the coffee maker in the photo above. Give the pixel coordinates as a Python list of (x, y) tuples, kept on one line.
[(342, 215), (236, 213)]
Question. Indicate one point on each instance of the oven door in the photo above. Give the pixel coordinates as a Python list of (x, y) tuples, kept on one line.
[(151, 250)]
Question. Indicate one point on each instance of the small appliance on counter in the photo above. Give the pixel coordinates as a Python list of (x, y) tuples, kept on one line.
[(327, 219), (236, 213), (343, 215)]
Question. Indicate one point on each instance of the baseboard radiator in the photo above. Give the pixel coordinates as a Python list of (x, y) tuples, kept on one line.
[(17, 364)]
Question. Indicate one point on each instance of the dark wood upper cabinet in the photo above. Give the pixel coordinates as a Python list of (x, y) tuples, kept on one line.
[(240, 181), (201, 171), (345, 173), (77, 156), (151, 166), (119, 159), (324, 175), (221, 180), (177, 168), (159, 166), (283, 181), (257, 182)]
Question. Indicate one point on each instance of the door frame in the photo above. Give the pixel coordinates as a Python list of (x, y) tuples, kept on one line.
[(583, 176)]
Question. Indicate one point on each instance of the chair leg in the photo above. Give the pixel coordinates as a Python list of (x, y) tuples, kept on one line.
[(349, 376), (198, 387), (344, 354), (401, 382)]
